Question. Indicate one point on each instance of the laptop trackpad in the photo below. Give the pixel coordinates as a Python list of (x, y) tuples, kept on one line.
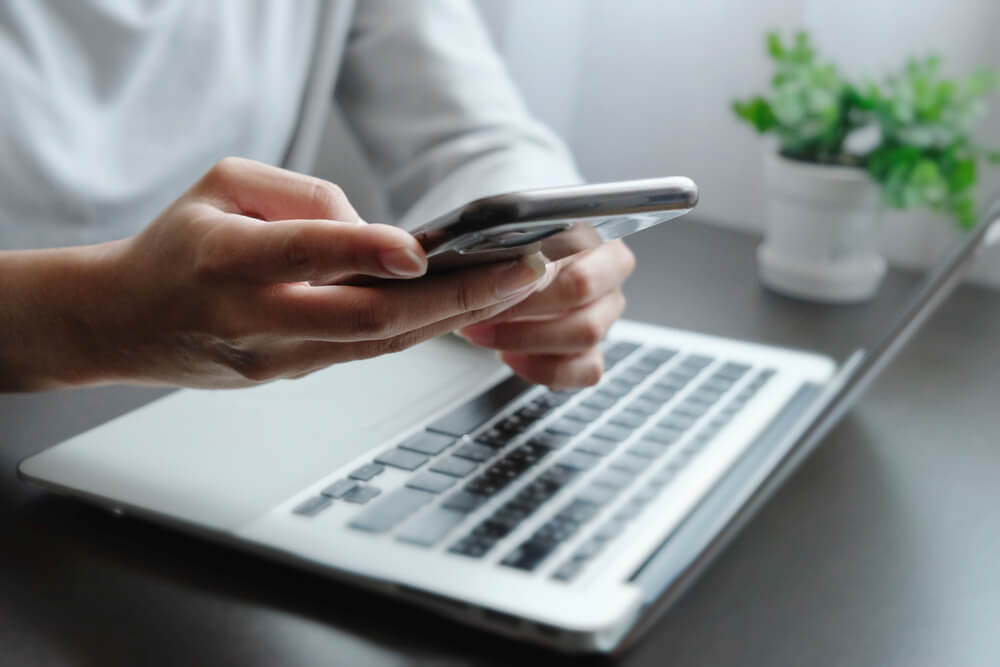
[(223, 457)]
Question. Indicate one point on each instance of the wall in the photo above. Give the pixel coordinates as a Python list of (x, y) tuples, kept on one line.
[(640, 87)]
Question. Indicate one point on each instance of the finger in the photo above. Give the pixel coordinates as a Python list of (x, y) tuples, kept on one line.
[(585, 278), (304, 250), (349, 313), (557, 370), (300, 359), (265, 192), (575, 332)]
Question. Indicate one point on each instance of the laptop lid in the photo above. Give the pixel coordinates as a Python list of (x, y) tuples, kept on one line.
[(795, 433)]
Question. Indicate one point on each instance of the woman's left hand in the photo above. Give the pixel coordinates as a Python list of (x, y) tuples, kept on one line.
[(553, 337)]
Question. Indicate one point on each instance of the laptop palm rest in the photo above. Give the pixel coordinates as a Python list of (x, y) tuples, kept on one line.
[(222, 458)]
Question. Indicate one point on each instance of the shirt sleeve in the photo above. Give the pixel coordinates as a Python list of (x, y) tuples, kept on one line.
[(436, 112)]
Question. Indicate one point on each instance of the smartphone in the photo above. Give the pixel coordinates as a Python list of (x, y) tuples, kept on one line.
[(557, 222)]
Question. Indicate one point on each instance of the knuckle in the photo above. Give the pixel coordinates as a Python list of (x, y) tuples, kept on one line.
[(296, 252), (628, 257), (224, 172), (464, 299), (211, 260), (622, 302), (593, 371), (401, 342), (591, 331), (248, 364), (371, 319), (581, 283), (328, 196)]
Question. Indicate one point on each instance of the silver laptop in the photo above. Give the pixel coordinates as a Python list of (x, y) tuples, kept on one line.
[(571, 519)]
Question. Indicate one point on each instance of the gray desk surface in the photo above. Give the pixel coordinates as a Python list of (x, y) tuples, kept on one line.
[(883, 549)]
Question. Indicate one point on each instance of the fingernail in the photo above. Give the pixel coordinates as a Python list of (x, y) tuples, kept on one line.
[(519, 277), (403, 262)]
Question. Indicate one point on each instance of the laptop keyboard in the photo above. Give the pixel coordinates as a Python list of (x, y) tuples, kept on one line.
[(629, 425)]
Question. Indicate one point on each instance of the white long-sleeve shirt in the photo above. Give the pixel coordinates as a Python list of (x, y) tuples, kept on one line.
[(110, 109)]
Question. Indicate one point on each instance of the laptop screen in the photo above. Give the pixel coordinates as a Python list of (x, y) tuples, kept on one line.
[(705, 288)]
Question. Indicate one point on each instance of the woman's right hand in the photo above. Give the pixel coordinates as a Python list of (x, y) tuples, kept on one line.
[(216, 292)]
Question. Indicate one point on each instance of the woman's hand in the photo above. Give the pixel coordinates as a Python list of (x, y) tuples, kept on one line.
[(216, 291), (553, 336)]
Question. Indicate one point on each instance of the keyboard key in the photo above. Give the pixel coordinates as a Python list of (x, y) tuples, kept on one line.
[(599, 401), (429, 528), (495, 438), (691, 410), (732, 371), (647, 449), (588, 550), (627, 513), (463, 501), (312, 506), (677, 422), (473, 547), (597, 446), (534, 410), (698, 361), (568, 570), (701, 398), (454, 466), (609, 531), (614, 353), (435, 482), (629, 463), (665, 436), (339, 488), (646, 364), (633, 375), (474, 451), (615, 479), (556, 398), (613, 432), (391, 510), (401, 458), (645, 495), (583, 413), (657, 395), (474, 413), (643, 406), (579, 460), (616, 388), (367, 471), (659, 354), (550, 440), (361, 494), (515, 424), (719, 385), (567, 427), (629, 420), (596, 494), (427, 442)]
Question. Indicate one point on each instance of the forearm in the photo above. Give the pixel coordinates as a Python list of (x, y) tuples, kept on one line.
[(51, 306)]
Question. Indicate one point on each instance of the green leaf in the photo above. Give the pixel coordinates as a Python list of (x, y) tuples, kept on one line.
[(757, 112), (962, 175), (774, 47)]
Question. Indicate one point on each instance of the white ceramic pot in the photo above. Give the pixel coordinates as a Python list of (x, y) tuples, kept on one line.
[(821, 238)]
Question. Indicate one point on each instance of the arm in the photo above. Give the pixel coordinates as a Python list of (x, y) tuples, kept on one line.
[(442, 123), (216, 292), (436, 111)]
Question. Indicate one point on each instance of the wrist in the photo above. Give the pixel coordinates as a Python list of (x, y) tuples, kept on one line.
[(55, 306)]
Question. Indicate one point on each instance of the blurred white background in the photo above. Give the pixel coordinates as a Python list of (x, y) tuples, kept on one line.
[(643, 87)]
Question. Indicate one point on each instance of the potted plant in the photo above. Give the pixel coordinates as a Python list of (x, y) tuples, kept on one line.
[(847, 150)]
